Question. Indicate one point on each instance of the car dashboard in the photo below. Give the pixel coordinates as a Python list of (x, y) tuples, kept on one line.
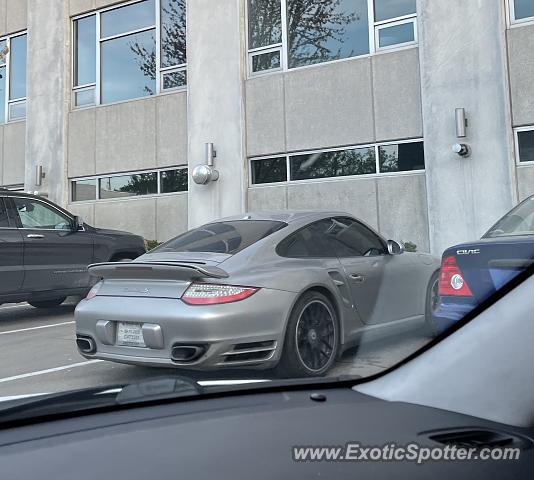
[(240, 435)]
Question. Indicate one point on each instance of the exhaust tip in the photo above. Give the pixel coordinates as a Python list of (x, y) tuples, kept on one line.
[(85, 344), (187, 353)]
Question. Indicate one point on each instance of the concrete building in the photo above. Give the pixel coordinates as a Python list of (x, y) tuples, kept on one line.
[(349, 107)]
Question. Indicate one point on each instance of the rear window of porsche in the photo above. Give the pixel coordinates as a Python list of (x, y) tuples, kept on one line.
[(222, 237)]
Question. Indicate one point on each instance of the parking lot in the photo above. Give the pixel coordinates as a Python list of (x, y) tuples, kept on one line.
[(38, 355)]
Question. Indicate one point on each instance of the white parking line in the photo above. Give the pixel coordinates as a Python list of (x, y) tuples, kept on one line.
[(8, 307), (48, 370), (37, 328)]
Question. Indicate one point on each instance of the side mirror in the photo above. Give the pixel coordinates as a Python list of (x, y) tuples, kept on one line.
[(77, 223), (395, 248)]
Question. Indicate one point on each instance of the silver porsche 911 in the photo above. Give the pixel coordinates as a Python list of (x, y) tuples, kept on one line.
[(290, 290)]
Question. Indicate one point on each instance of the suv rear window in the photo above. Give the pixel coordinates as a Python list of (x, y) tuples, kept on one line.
[(222, 237)]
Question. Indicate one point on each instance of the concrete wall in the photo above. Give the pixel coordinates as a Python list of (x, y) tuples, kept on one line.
[(12, 138), (13, 18), (76, 7), (521, 61), (144, 133), (463, 64), (520, 42), (155, 218), (215, 71), (395, 205), (135, 135), (140, 134), (525, 181), (47, 97), (351, 102)]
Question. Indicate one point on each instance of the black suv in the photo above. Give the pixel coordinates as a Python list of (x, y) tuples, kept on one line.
[(45, 250)]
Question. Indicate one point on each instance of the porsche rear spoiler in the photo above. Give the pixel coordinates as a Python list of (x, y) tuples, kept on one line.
[(155, 271)]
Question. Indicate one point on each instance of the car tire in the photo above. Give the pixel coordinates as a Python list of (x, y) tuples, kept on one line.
[(311, 342), (430, 305), (55, 302)]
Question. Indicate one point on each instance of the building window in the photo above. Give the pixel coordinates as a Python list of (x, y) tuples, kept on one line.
[(339, 163), (525, 145), (13, 52), (369, 160), (402, 157), (173, 181), (521, 10), (127, 185), (321, 31), (269, 170), (84, 190), (285, 34), (130, 51)]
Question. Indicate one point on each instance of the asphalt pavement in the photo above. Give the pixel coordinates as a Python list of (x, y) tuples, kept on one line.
[(38, 355)]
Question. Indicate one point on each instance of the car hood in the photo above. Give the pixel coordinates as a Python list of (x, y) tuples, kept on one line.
[(203, 258)]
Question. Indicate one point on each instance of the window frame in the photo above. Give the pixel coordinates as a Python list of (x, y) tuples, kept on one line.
[(393, 23), (517, 131), (101, 176), (19, 223), (373, 28), (7, 64), (361, 224), (4, 204), (282, 243), (377, 173), (99, 39), (512, 21)]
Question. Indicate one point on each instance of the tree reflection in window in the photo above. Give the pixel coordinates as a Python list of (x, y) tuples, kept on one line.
[(142, 184), (174, 180), (325, 30), (318, 30), (129, 185), (265, 23), (402, 157), (173, 41), (269, 170), (173, 33), (359, 161)]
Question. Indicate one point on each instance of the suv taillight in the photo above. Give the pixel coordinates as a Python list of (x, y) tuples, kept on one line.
[(451, 280), (211, 293)]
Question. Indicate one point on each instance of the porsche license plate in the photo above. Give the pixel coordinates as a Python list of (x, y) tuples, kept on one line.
[(130, 334)]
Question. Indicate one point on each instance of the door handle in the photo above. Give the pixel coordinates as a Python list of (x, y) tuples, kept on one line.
[(356, 277), (35, 235)]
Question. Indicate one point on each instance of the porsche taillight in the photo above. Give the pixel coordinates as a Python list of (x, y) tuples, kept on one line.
[(94, 291), (211, 293)]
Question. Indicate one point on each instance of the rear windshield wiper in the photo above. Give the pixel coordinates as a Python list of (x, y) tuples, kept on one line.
[(78, 401)]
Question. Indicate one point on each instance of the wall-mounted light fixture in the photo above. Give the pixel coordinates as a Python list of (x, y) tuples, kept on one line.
[(462, 149), (39, 175), (461, 122), (204, 174)]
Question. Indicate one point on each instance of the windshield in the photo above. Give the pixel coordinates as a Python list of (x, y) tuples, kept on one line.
[(255, 190), (518, 221), (222, 237)]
